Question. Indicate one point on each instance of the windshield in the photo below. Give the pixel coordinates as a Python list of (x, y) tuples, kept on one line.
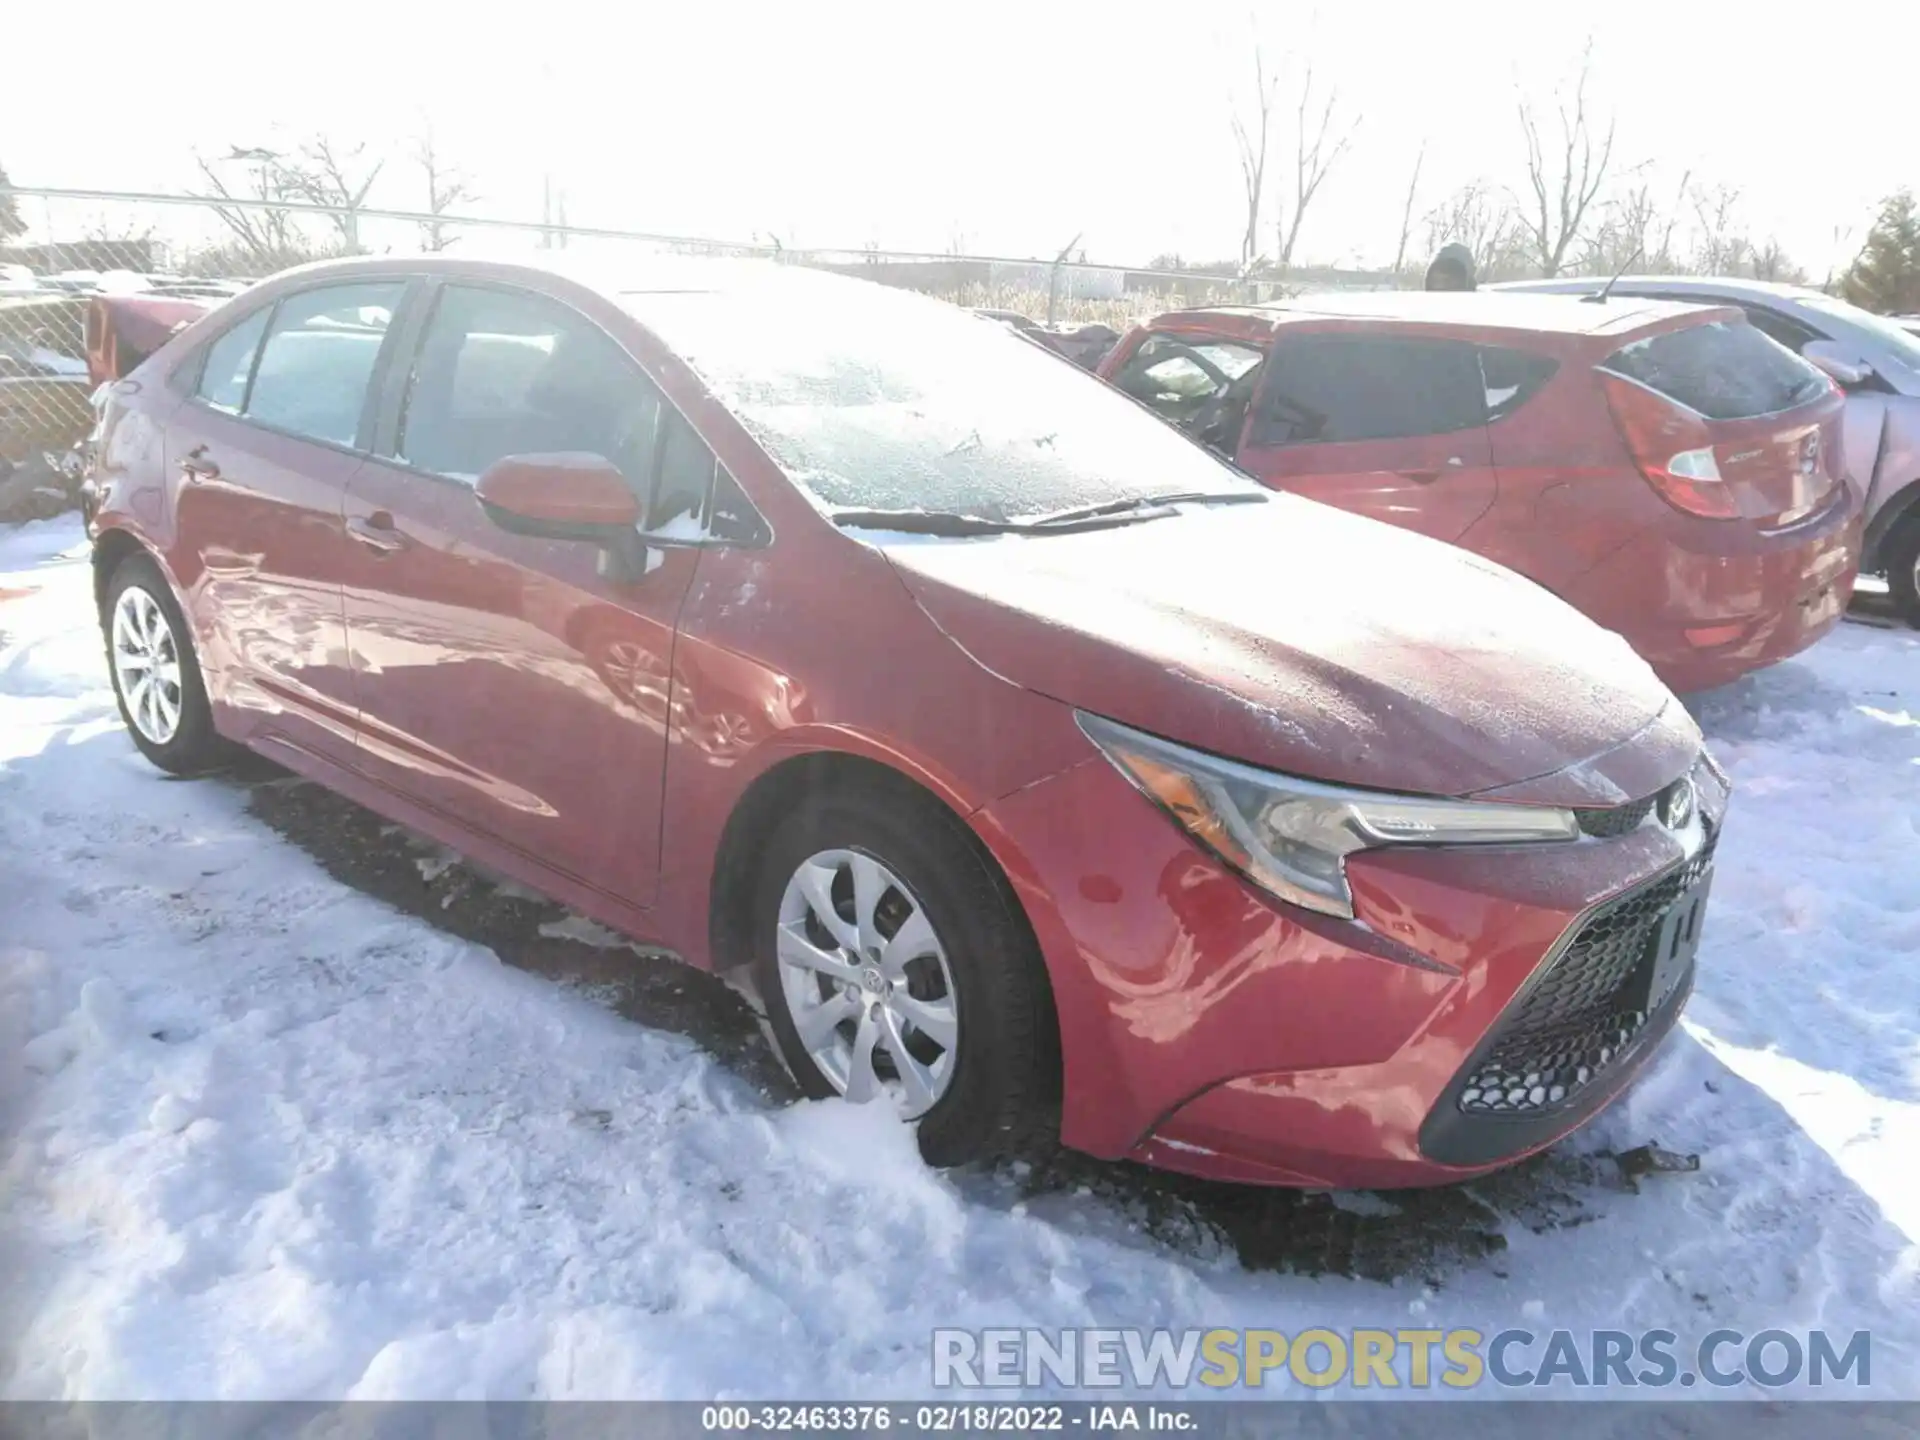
[(882, 400), (1177, 375), (1903, 343)]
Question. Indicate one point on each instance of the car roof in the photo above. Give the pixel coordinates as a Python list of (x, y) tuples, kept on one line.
[(1532, 314), (611, 275), (1734, 285)]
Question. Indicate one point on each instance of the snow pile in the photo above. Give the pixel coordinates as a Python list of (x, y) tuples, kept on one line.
[(263, 1137)]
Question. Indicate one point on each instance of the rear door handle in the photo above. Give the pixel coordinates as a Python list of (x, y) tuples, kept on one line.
[(196, 466), (1421, 477), (376, 532)]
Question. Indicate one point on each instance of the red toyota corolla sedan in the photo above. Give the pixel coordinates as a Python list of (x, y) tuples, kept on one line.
[(1049, 775), (1666, 469)]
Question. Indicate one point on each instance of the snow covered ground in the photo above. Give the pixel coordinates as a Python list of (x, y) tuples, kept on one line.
[(264, 1135)]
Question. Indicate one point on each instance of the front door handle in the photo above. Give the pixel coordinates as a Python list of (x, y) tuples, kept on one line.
[(195, 465), (376, 532)]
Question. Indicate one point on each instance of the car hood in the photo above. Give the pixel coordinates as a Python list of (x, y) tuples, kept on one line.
[(1322, 644)]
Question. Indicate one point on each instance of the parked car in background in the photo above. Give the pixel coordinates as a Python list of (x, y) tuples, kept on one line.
[(123, 330), (1045, 771), (1875, 359), (1085, 345), (43, 376), (1666, 469), (56, 351)]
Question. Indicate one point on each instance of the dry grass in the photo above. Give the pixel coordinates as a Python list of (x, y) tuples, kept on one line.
[(1075, 310), (1031, 301)]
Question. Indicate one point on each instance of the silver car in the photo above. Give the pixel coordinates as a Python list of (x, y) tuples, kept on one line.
[(1875, 359)]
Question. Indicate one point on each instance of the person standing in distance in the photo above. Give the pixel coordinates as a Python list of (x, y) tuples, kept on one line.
[(1452, 269)]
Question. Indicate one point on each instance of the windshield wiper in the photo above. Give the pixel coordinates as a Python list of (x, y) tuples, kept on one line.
[(1137, 503), (945, 522), (923, 522)]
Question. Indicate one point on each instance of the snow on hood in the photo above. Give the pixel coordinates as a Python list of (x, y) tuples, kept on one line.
[(1307, 640)]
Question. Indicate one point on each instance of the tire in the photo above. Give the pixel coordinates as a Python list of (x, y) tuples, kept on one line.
[(1901, 553), (996, 1086), (168, 718)]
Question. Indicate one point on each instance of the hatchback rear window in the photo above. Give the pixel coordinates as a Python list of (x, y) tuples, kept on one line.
[(1724, 370)]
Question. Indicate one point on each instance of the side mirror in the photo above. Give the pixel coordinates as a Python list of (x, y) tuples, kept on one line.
[(1842, 365), (569, 495)]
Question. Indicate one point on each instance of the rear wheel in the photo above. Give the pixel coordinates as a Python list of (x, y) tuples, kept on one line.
[(156, 678), (895, 970), (1902, 553)]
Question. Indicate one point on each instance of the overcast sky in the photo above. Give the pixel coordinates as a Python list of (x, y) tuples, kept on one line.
[(1006, 126)]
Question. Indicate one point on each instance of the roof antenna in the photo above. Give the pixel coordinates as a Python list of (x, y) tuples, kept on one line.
[(1599, 297)]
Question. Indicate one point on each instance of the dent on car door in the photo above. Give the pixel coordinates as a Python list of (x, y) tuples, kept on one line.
[(513, 683), (261, 454), (1389, 426)]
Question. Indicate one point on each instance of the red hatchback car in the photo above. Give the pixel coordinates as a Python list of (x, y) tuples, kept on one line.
[(1048, 774), (1666, 469)]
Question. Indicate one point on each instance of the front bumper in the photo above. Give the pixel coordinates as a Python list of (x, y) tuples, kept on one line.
[(1207, 1028)]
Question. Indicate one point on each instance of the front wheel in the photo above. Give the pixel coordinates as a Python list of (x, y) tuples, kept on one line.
[(156, 678), (896, 970), (1902, 554)]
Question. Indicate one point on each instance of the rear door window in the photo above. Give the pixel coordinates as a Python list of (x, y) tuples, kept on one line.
[(1331, 388), (319, 357), (1722, 370), (229, 364), (1513, 377)]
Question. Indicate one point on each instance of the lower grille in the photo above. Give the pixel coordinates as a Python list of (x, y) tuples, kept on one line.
[(1582, 1011)]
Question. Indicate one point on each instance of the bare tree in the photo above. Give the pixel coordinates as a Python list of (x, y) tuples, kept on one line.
[(1406, 211), (1483, 217), (324, 175), (1842, 245), (1252, 139), (1633, 230), (1771, 262), (1565, 178), (266, 237), (447, 186), (1317, 148), (317, 173), (1720, 246)]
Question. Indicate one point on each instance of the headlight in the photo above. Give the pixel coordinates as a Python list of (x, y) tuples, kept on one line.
[(1292, 837)]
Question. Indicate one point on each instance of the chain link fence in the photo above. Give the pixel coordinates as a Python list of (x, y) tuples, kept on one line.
[(94, 281)]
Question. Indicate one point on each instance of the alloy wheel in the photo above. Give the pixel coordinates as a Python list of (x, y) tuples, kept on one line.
[(866, 981), (146, 665)]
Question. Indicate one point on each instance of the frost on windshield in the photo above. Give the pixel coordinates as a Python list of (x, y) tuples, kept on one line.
[(895, 402)]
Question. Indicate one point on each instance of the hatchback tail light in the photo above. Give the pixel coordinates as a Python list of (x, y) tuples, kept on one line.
[(1672, 447)]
